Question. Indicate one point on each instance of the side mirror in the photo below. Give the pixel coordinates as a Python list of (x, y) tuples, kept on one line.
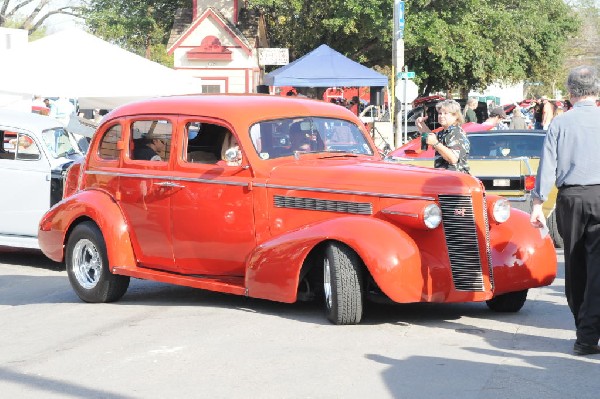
[(231, 155)]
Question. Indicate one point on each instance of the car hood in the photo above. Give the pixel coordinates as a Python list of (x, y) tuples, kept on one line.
[(373, 177)]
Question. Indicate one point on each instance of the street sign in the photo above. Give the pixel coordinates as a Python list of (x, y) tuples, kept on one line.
[(273, 56), (400, 19), (406, 91), (405, 75)]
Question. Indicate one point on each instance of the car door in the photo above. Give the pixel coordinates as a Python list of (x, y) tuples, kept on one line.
[(145, 191), (25, 177), (212, 209)]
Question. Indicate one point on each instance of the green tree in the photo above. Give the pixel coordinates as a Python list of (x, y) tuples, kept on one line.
[(140, 26), (467, 44), (31, 14), (452, 45), (359, 29)]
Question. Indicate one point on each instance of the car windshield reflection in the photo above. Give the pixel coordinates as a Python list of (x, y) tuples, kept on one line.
[(285, 137)]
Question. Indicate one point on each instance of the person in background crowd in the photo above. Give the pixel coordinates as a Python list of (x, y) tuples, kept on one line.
[(547, 112), (150, 147), (62, 109), (354, 105), (496, 118), (517, 121), (37, 101), (570, 161), (537, 115), (469, 111), (451, 144)]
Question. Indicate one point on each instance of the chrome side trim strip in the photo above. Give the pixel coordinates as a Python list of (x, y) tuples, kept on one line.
[(348, 192), (412, 215), (174, 178), (264, 185)]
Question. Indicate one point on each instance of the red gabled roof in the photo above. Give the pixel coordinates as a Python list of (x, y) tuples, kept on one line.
[(210, 13)]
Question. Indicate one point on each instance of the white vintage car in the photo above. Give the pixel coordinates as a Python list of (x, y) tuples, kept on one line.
[(35, 151)]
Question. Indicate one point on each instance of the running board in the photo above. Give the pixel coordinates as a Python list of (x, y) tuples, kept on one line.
[(226, 284)]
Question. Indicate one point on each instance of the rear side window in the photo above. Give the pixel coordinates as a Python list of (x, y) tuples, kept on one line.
[(108, 144), (19, 146), (151, 140)]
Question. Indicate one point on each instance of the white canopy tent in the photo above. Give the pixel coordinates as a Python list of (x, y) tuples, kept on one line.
[(73, 63)]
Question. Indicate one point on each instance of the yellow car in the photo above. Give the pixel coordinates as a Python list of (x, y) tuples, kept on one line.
[(506, 162)]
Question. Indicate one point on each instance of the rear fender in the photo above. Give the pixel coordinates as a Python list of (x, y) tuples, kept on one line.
[(94, 205), (390, 255), (522, 256)]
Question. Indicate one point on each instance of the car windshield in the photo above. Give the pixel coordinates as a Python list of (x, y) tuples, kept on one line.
[(285, 137), (488, 145), (58, 142)]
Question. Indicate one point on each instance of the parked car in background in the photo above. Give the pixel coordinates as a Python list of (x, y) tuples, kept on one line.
[(506, 162), (35, 152), (324, 217)]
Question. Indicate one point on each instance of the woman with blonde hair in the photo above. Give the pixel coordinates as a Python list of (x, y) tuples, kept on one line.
[(451, 144), (469, 110)]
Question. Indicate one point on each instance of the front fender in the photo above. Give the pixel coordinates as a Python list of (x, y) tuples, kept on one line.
[(389, 254), (93, 205), (522, 256)]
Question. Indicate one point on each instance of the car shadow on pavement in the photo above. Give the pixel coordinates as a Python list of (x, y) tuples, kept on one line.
[(490, 374), (28, 257)]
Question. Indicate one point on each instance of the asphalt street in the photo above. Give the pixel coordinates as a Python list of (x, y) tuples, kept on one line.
[(163, 341)]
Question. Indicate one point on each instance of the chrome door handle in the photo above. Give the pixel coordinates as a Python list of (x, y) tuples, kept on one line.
[(169, 184)]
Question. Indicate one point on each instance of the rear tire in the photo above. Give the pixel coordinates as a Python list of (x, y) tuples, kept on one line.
[(87, 266), (343, 285), (510, 302), (553, 230)]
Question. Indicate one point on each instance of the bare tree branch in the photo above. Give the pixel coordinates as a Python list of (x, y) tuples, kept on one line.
[(22, 4), (62, 10)]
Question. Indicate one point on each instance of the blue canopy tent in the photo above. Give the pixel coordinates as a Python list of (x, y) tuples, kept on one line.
[(325, 67)]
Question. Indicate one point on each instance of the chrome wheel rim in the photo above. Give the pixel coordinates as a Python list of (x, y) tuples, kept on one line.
[(87, 264), (327, 284)]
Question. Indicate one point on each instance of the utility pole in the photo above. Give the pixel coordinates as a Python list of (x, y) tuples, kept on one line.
[(398, 58)]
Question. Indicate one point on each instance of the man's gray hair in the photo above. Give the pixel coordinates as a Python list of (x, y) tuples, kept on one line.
[(583, 81)]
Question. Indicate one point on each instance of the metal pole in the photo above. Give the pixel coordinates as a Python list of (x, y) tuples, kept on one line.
[(405, 108), (398, 58)]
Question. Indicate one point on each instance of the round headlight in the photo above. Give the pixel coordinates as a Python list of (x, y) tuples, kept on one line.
[(432, 216), (501, 210)]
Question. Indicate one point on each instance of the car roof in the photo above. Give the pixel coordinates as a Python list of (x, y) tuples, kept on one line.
[(508, 132), (233, 107), (26, 121)]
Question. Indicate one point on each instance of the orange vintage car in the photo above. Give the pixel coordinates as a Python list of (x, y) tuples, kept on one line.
[(284, 199)]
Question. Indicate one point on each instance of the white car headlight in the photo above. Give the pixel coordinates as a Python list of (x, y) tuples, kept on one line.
[(501, 210), (432, 216)]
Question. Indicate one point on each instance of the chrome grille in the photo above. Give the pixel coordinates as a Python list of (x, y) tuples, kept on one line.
[(313, 204), (488, 249), (462, 242)]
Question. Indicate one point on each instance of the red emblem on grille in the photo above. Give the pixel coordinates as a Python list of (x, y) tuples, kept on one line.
[(459, 212)]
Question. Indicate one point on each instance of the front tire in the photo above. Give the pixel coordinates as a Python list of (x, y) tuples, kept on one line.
[(510, 302), (343, 285), (87, 266)]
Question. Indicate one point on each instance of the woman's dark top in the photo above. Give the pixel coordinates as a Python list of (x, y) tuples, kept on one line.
[(455, 139)]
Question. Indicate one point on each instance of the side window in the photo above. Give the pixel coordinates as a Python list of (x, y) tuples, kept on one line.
[(151, 140), (207, 143), (108, 144), (26, 148), (19, 146)]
